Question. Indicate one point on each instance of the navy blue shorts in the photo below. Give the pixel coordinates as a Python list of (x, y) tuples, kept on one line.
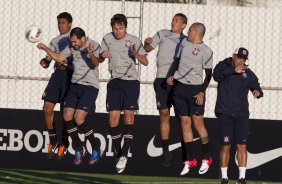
[(184, 101), (163, 93), (57, 87), (82, 97), (123, 94), (233, 129)]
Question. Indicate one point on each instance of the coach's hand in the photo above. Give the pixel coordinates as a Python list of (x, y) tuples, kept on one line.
[(256, 93)]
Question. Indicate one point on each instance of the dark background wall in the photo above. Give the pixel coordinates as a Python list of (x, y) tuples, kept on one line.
[(23, 143)]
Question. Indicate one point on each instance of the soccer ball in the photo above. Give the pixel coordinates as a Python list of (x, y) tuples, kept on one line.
[(33, 33)]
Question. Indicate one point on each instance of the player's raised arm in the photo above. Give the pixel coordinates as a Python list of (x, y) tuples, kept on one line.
[(57, 57)]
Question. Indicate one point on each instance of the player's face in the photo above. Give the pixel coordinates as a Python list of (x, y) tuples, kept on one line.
[(119, 31), (63, 25), (77, 43), (177, 24), (192, 33), (238, 61)]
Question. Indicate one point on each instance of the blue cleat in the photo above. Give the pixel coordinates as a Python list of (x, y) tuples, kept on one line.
[(95, 156), (78, 156)]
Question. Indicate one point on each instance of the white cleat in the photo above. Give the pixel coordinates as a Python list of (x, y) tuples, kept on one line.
[(205, 166), (121, 164), (187, 165)]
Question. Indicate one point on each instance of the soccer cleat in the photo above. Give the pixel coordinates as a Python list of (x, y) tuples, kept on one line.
[(241, 181), (187, 166), (62, 150), (167, 157), (51, 150), (95, 156), (205, 166), (224, 181), (78, 155), (121, 164)]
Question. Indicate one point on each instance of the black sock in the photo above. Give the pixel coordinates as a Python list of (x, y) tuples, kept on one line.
[(189, 150), (205, 151), (89, 135), (116, 137), (127, 139), (73, 133), (65, 135), (183, 151), (52, 136), (164, 144)]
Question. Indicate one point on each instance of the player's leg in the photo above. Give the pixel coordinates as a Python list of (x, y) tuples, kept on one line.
[(51, 97), (226, 138), (202, 131), (113, 104), (65, 81), (130, 97), (181, 102), (48, 110), (164, 102), (241, 137), (86, 105)]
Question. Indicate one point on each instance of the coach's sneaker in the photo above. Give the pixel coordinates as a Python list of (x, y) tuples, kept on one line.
[(95, 156), (78, 155), (188, 165), (62, 150), (167, 157), (205, 166), (121, 164), (241, 181), (224, 181), (51, 150)]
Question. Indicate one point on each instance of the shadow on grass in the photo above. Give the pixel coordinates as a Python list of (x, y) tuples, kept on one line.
[(52, 177)]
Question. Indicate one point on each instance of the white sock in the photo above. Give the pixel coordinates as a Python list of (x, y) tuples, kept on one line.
[(242, 172), (224, 172)]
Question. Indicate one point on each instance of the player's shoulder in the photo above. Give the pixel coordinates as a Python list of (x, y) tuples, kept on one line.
[(132, 37), (206, 48), (60, 37)]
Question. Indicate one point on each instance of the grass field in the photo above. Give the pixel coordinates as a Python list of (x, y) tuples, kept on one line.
[(58, 177)]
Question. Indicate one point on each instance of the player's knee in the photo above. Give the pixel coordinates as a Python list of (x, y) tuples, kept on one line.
[(241, 147)]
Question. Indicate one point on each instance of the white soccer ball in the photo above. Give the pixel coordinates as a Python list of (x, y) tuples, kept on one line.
[(33, 33)]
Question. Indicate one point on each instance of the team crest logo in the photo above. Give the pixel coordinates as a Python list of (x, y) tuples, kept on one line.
[(244, 75), (128, 43), (196, 51), (226, 139)]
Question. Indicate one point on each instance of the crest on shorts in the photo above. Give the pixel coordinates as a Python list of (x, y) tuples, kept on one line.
[(226, 139), (196, 51), (128, 43)]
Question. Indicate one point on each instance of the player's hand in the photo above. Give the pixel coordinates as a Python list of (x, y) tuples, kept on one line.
[(106, 54), (169, 80), (44, 63), (148, 41), (90, 48), (199, 98), (133, 50), (256, 93), (241, 69), (42, 46)]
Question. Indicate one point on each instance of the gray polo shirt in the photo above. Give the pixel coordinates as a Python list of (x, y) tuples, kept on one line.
[(59, 43), (84, 71), (194, 58), (122, 64), (169, 44)]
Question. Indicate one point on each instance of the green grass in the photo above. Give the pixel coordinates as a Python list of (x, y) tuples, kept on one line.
[(58, 177)]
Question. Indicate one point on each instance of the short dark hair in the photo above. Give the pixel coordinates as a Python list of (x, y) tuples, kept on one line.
[(119, 19), (201, 28), (182, 16), (78, 32), (65, 15)]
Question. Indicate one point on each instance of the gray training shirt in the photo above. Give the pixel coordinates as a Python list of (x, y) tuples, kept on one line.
[(84, 71), (169, 44), (122, 64), (193, 59), (59, 43)]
